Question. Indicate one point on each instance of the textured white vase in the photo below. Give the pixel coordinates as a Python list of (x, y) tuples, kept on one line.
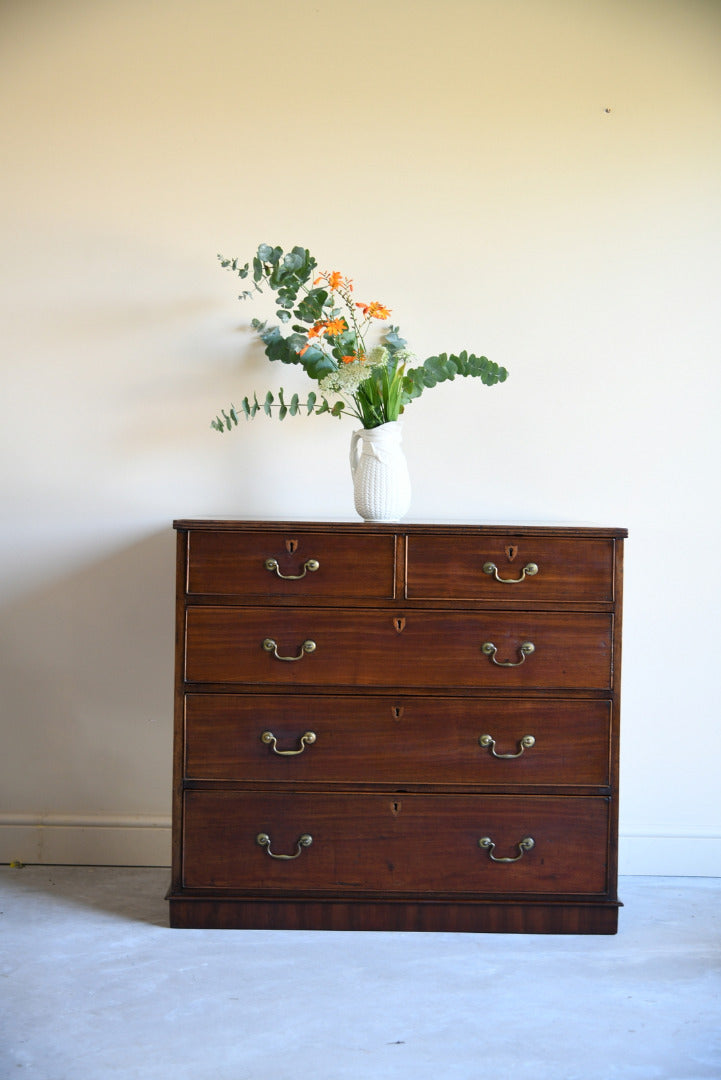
[(381, 484)]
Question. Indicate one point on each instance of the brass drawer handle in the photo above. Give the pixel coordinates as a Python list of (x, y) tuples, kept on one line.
[(309, 564), (529, 570), (524, 744), (305, 740), (524, 650), (271, 646), (303, 841), (523, 846)]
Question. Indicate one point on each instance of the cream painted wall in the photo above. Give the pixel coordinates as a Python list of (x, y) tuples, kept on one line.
[(536, 181)]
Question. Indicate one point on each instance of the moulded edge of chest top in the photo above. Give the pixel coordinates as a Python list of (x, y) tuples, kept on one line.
[(403, 528)]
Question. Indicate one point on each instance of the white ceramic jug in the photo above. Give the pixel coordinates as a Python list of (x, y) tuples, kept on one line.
[(381, 484)]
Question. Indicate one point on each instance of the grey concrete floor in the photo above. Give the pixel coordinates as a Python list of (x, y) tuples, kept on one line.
[(93, 985)]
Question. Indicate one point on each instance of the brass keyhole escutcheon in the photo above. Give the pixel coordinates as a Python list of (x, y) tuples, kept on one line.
[(291, 546), (396, 807), (511, 551), (399, 623)]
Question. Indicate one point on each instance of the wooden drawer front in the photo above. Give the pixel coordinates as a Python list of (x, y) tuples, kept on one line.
[(440, 567), (395, 843), (396, 740), (355, 566), (380, 648)]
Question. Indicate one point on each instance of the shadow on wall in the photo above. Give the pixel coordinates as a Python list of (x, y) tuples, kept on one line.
[(86, 667)]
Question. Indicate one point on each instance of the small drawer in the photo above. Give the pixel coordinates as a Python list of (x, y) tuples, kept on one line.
[(504, 568), (401, 740), (415, 649), (395, 844), (287, 565)]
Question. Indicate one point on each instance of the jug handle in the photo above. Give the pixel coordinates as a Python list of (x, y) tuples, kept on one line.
[(354, 451)]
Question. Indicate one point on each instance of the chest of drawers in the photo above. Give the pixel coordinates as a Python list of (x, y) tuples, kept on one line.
[(396, 727)]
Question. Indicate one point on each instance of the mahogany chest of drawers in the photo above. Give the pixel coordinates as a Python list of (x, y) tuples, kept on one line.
[(396, 727)]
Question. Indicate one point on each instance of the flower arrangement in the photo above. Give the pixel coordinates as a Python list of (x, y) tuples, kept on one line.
[(329, 339)]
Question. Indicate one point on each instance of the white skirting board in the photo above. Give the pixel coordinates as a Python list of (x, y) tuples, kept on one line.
[(669, 851), (92, 840), (144, 840)]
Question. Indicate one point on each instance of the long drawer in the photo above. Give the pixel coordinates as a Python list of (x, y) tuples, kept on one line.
[(362, 647), (398, 741), (390, 843)]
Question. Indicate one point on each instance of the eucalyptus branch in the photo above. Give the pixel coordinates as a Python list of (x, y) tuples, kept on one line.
[(228, 419), (444, 368)]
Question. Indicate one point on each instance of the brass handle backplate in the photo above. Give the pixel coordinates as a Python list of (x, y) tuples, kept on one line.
[(487, 741), (529, 570), (523, 846), (303, 841), (305, 740), (271, 646), (309, 564), (524, 650)]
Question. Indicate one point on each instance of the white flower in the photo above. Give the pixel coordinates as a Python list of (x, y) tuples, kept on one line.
[(346, 379), (377, 356)]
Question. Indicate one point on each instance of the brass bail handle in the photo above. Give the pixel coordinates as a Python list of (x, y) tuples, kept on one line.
[(304, 841), (306, 739), (272, 647), (524, 650), (487, 741), (309, 565), (529, 570), (524, 845)]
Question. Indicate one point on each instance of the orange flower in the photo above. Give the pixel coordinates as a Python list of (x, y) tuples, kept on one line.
[(330, 326), (314, 332), (374, 310), (336, 326), (352, 358), (335, 280)]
